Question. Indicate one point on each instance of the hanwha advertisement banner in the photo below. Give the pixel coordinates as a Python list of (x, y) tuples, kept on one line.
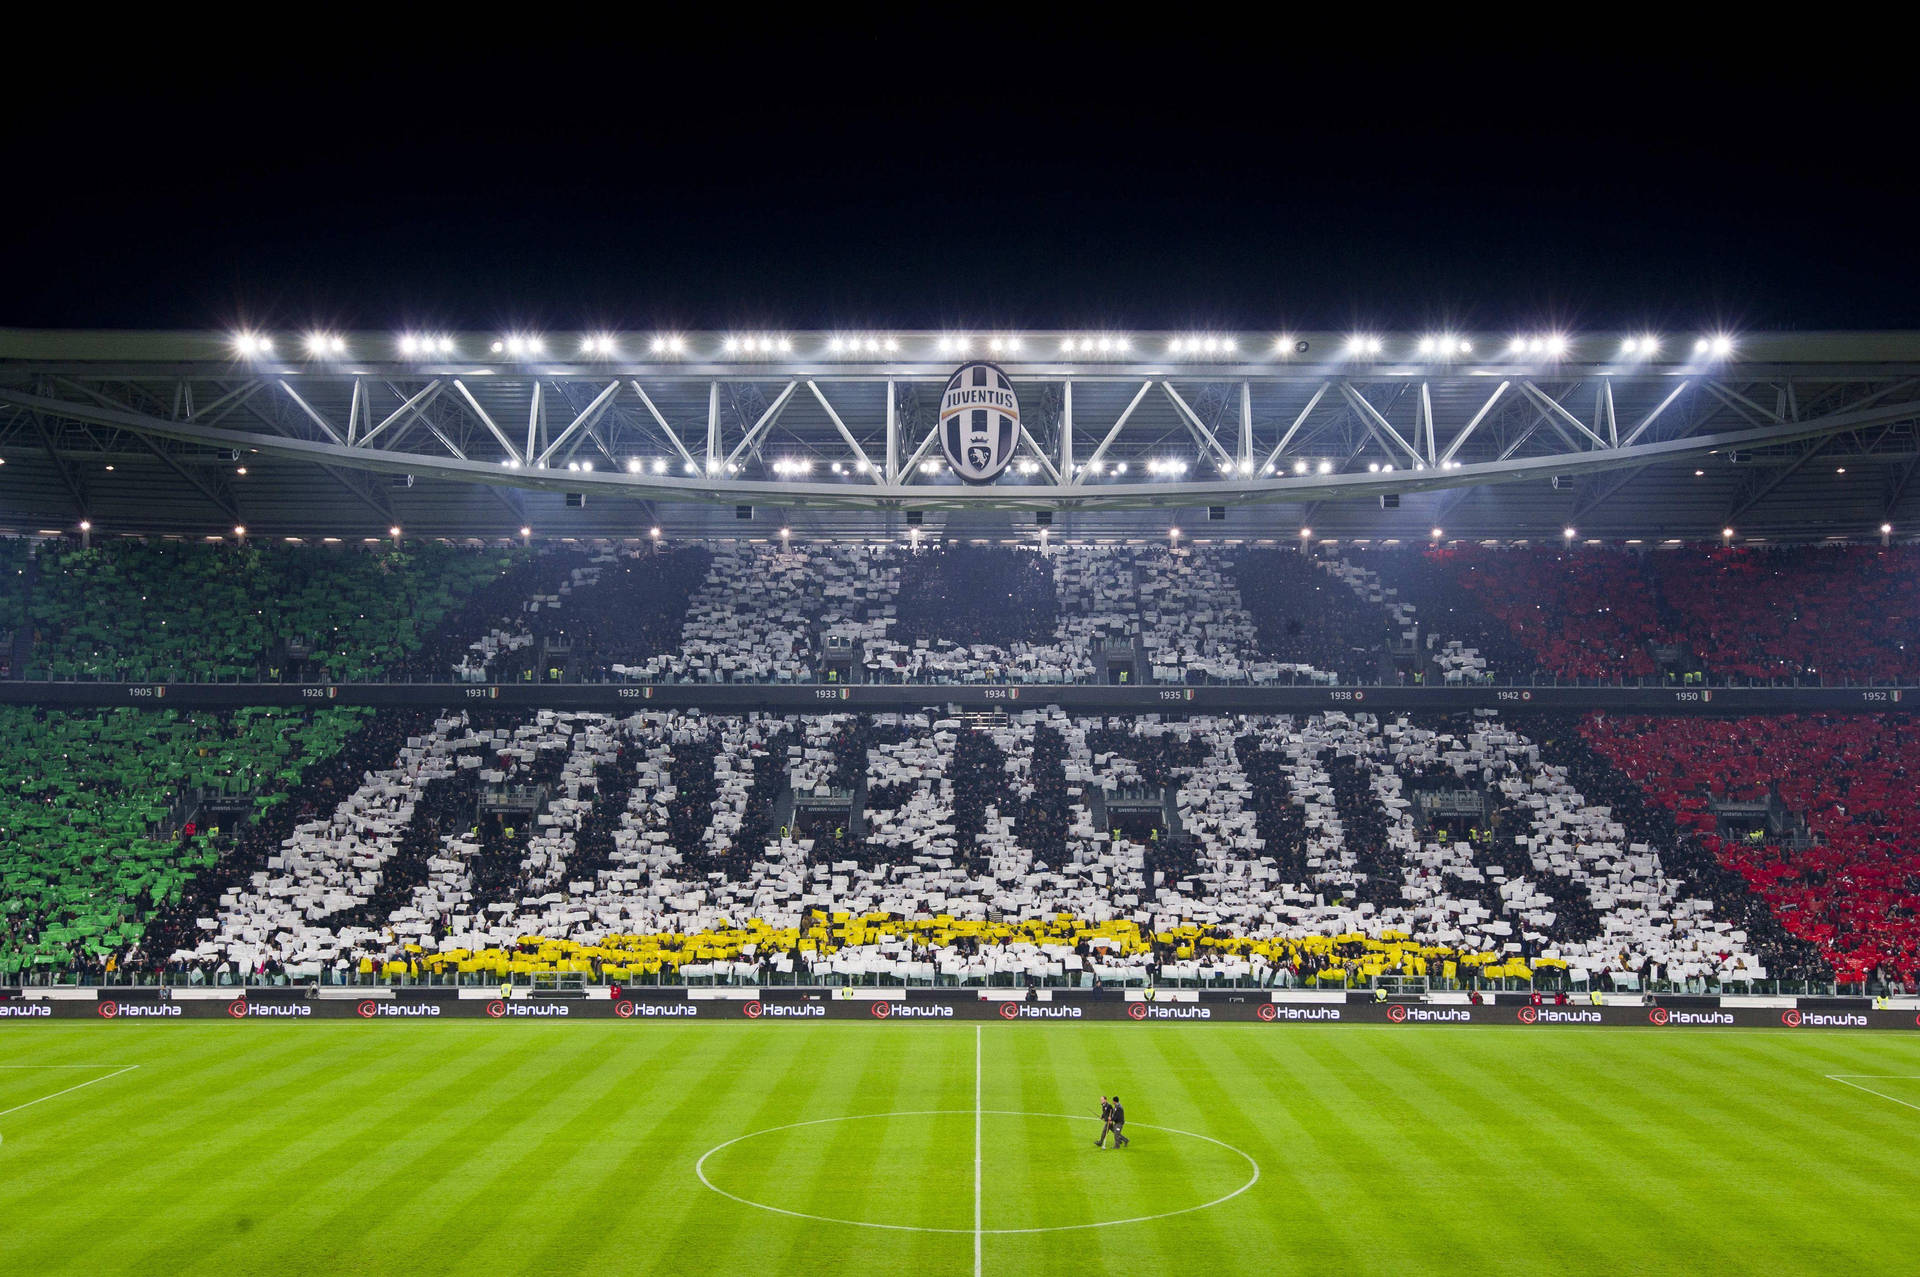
[(140, 1006), (979, 421)]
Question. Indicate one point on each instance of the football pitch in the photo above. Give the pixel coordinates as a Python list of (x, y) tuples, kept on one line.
[(608, 1148)]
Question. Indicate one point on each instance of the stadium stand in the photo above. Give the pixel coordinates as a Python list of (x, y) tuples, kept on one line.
[(1037, 846), (93, 837), (130, 610), (1547, 882), (1840, 865), (1580, 614), (1842, 612), (87, 847)]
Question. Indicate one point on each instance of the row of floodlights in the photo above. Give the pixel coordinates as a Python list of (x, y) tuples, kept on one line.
[(801, 467), (323, 345)]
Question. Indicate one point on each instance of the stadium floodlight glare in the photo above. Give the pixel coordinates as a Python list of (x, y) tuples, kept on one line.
[(239, 529), (1300, 467), (526, 532), (1569, 533), (1173, 533), (1718, 345), (785, 533), (1373, 467), (394, 531), (1727, 533), (1325, 467), (1360, 345), (1245, 466), (633, 465), (1007, 345), (1202, 345), (1121, 468), (597, 344), (1306, 534), (955, 343), (1437, 533), (654, 533), (659, 465), (252, 345), (1886, 529), (668, 344), (86, 525), (321, 345)]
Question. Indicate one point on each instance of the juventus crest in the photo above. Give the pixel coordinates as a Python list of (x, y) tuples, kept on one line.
[(979, 422)]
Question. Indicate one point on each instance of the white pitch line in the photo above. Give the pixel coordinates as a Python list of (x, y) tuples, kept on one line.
[(976, 1151), (57, 1094), (1841, 1078)]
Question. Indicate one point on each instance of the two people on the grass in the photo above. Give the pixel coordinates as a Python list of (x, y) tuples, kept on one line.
[(1113, 1121)]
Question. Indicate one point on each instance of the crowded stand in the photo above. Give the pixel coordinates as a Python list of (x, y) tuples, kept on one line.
[(1465, 642), (664, 883), (1580, 614), (96, 835), (1323, 849), (593, 614), (132, 610), (16, 558), (1308, 619), (89, 847), (1797, 615), (1850, 883)]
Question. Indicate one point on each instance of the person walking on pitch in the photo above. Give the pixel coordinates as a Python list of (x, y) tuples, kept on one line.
[(1106, 1121), (1117, 1123)]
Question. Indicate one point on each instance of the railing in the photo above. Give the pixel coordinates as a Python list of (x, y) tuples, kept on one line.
[(1543, 982)]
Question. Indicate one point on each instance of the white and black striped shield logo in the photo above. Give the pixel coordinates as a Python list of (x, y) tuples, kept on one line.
[(979, 422)]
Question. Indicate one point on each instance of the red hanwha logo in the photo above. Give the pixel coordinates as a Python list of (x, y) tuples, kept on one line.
[(751, 1009), (881, 1010), (1138, 1010), (367, 1009), (1657, 1016), (623, 1009), (237, 1008), (1398, 1013), (108, 1010), (1009, 1011), (1790, 1018), (1529, 1015), (496, 1008), (1266, 1011)]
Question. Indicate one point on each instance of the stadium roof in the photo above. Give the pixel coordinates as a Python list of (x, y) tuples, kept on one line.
[(1617, 436)]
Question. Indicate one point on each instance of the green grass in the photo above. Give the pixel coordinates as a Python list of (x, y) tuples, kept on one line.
[(571, 1148)]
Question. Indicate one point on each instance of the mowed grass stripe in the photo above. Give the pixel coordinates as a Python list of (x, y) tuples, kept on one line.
[(483, 1148), (538, 1135), (200, 1116)]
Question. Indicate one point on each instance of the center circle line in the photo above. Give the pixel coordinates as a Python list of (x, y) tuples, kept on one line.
[(700, 1170)]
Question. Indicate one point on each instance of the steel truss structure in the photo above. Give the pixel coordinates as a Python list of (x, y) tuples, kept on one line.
[(822, 421)]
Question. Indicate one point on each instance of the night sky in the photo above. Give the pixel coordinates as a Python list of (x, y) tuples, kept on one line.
[(980, 174)]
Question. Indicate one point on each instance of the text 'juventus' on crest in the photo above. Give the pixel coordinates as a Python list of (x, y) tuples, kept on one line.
[(979, 422)]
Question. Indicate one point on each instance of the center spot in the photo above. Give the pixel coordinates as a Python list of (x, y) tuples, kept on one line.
[(913, 1171)]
